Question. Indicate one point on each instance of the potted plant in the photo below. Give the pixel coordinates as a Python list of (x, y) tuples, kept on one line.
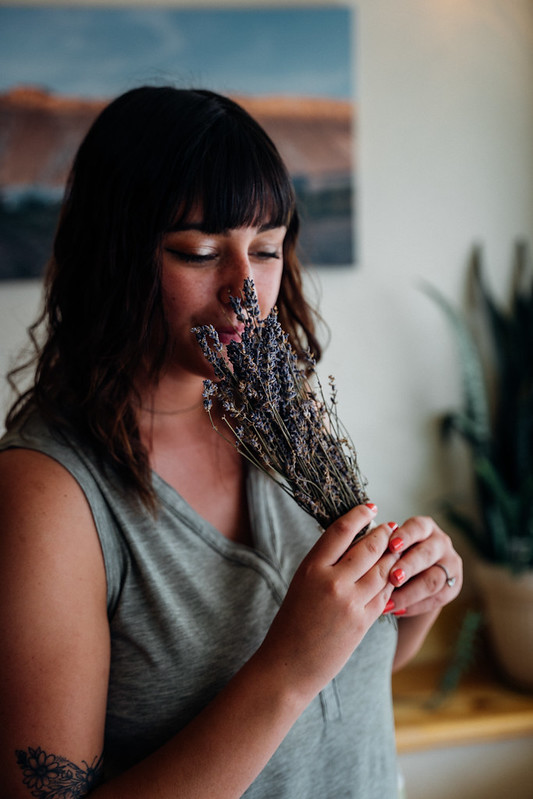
[(496, 421)]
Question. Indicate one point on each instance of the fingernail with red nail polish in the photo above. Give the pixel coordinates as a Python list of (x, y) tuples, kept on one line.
[(396, 545), (389, 606), (399, 575), (399, 612), (371, 506), (393, 526)]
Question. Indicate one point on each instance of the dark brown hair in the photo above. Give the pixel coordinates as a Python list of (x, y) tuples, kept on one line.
[(150, 157)]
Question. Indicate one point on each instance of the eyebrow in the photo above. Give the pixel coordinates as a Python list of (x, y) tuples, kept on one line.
[(202, 228)]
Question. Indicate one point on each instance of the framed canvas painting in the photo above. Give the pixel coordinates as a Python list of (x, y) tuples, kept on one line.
[(291, 67)]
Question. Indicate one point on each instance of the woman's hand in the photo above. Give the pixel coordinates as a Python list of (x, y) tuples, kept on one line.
[(337, 593), (429, 573)]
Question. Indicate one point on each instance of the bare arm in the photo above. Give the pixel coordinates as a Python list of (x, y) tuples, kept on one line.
[(53, 680), (53, 627)]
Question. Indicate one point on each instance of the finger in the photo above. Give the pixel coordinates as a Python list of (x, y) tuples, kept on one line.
[(368, 562), (382, 604), (424, 606), (429, 589), (421, 544), (441, 566), (417, 560), (407, 608), (411, 532), (375, 587), (338, 537)]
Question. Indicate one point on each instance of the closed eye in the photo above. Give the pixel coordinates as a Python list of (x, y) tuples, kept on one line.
[(190, 257), (265, 255)]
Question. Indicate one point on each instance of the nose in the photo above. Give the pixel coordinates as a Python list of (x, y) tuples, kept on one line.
[(235, 270)]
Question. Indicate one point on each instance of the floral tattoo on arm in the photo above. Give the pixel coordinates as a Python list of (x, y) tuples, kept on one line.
[(54, 777)]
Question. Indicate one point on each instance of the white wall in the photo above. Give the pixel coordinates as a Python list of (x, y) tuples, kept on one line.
[(446, 159)]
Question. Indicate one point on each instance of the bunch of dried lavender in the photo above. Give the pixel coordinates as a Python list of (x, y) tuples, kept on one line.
[(278, 422)]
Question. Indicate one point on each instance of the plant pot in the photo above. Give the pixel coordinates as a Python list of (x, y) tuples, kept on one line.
[(508, 604)]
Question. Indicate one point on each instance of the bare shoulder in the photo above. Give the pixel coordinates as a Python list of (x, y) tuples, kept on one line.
[(44, 512), (32, 481)]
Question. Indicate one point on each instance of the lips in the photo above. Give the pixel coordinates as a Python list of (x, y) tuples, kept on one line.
[(227, 334)]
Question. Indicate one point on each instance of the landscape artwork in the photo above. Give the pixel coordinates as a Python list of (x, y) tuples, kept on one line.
[(291, 67)]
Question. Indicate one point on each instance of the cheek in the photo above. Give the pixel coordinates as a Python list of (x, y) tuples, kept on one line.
[(267, 289), (179, 296), (172, 305)]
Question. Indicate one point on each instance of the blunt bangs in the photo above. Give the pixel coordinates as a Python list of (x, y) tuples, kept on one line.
[(235, 176)]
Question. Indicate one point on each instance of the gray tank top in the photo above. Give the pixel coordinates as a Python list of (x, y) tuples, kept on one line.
[(187, 607)]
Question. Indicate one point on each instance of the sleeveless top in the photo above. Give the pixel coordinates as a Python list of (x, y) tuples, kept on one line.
[(187, 607)]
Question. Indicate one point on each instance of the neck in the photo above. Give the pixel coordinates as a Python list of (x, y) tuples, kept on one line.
[(171, 396), (153, 411)]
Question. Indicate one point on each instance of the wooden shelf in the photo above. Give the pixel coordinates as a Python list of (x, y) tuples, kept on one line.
[(482, 708)]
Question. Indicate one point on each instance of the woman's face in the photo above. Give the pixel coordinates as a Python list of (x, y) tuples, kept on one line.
[(200, 270)]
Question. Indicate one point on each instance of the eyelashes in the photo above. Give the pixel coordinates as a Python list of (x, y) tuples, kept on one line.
[(190, 257), (204, 258)]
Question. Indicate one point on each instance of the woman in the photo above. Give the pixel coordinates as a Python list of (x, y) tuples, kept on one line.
[(174, 625)]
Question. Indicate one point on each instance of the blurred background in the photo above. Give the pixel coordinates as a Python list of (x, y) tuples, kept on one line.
[(442, 161)]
